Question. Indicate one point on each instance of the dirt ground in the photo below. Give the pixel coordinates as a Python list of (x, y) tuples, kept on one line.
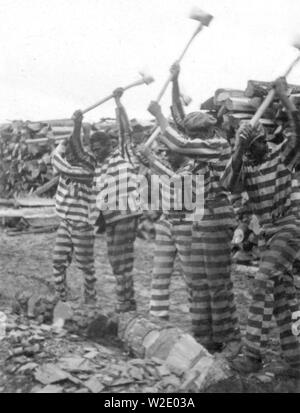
[(26, 265)]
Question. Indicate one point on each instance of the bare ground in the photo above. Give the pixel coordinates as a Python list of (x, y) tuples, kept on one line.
[(26, 264)]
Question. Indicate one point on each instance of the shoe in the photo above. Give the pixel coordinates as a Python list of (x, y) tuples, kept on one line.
[(246, 365), (231, 349)]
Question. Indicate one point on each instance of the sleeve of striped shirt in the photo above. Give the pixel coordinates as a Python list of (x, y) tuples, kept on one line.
[(232, 181), (62, 167), (206, 150), (83, 157), (125, 132), (291, 148), (178, 115)]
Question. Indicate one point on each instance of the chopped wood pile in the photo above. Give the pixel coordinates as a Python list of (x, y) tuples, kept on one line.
[(236, 105), (26, 147)]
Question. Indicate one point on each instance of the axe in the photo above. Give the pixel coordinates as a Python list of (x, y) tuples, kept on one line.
[(204, 19), (271, 95), (146, 79)]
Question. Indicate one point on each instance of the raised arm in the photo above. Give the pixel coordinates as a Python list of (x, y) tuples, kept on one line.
[(62, 167), (177, 108), (80, 155), (122, 120), (206, 150), (292, 146), (232, 176)]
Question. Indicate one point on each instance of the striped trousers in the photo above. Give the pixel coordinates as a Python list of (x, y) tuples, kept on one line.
[(213, 310), (121, 236), (77, 238), (171, 239), (274, 293)]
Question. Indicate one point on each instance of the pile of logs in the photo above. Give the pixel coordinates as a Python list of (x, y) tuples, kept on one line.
[(236, 105)]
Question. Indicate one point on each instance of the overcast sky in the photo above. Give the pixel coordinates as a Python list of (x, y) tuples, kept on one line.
[(60, 55)]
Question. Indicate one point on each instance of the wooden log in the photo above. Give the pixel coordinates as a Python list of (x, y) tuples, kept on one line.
[(46, 140), (234, 119), (261, 89), (295, 99), (222, 95), (59, 122), (179, 352), (34, 201), (47, 186), (8, 203), (242, 104), (62, 130), (209, 105)]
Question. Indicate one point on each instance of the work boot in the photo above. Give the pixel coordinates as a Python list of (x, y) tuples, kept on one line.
[(246, 365)]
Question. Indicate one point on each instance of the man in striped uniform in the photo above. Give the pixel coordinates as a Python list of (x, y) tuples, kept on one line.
[(267, 175), (214, 317), (173, 230), (74, 206), (115, 188)]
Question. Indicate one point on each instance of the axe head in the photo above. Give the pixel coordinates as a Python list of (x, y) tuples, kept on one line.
[(201, 16), (296, 42), (147, 79)]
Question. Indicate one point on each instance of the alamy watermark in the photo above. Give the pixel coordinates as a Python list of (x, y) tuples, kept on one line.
[(127, 191)]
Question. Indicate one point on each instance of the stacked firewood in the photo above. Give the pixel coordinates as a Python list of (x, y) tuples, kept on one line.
[(235, 105)]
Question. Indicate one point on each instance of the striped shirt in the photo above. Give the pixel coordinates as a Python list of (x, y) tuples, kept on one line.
[(210, 158), (270, 185), (115, 188), (74, 197), (175, 191)]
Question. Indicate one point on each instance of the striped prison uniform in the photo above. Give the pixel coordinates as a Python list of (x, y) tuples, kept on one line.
[(172, 236), (270, 190), (115, 189), (213, 311), (75, 207)]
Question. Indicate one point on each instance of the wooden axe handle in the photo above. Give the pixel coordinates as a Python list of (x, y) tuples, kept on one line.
[(137, 83), (162, 92), (270, 97), (152, 138)]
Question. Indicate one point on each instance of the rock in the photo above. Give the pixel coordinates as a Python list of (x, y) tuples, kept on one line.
[(51, 389), (91, 355), (136, 373), (263, 378), (163, 370), (50, 373), (94, 385), (28, 366), (75, 364), (81, 391)]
